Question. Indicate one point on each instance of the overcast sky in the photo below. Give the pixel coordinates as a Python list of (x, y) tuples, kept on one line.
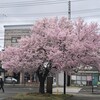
[(14, 12)]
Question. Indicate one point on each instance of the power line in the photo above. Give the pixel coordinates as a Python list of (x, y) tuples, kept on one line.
[(31, 21), (87, 10), (87, 16), (35, 14), (31, 3), (35, 1), (53, 13), (77, 0)]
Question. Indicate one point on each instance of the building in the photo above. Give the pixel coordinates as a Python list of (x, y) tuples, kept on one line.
[(15, 32), (11, 36), (85, 77)]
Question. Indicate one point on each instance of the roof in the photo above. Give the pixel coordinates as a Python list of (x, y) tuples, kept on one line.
[(18, 26)]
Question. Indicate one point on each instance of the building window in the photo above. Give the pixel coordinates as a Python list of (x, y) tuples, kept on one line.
[(78, 77), (73, 77), (81, 79), (84, 77), (15, 39)]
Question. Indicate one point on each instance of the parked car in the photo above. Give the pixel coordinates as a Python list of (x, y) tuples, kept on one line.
[(10, 80)]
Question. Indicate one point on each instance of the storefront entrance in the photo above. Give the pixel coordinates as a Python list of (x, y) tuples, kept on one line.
[(95, 79)]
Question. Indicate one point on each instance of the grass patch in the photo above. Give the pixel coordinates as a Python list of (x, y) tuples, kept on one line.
[(37, 96)]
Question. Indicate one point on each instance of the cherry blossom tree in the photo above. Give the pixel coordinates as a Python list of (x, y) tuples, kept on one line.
[(64, 44), (10, 57)]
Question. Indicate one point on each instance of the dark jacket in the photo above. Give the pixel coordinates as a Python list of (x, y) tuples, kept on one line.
[(1, 82)]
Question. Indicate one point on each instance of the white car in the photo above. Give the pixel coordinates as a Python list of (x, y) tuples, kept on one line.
[(10, 80)]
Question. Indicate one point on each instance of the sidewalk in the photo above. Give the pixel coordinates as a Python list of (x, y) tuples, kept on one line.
[(21, 85), (59, 90), (56, 90), (77, 95)]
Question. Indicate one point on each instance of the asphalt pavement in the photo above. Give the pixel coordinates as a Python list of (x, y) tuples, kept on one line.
[(85, 97), (87, 93), (11, 90), (79, 93)]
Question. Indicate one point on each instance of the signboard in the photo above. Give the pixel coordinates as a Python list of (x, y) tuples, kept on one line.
[(88, 71)]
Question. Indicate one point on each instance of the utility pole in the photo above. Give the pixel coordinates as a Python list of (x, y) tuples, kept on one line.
[(69, 9), (69, 17)]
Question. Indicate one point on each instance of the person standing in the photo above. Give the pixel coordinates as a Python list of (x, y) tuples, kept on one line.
[(1, 84)]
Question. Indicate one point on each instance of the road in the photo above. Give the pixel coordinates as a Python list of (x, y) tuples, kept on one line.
[(84, 94), (13, 90), (85, 97), (88, 89)]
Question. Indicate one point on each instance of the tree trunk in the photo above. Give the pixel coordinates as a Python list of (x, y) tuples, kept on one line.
[(41, 87), (42, 74), (42, 79)]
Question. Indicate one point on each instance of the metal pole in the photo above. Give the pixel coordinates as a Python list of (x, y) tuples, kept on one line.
[(69, 17), (64, 82), (69, 9), (92, 87), (92, 82)]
